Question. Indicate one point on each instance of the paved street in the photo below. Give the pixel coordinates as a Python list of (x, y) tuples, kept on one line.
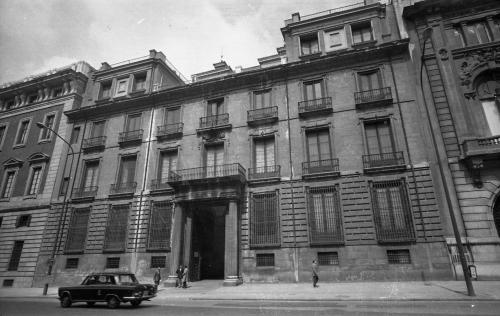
[(50, 306)]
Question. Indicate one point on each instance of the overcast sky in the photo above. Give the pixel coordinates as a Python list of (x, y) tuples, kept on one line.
[(37, 35)]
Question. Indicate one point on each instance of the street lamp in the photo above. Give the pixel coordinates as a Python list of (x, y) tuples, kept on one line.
[(64, 210), (426, 36)]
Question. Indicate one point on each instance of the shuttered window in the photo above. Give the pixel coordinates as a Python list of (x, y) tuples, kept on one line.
[(214, 157), (15, 256), (379, 137), (98, 129), (261, 99), (77, 232), (90, 175), (172, 116), (133, 122), (264, 152), (168, 162), (313, 90), (160, 224), (264, 220), (393, 217), (127, 169), (318, 145), (369, 80), (325, 215), (116, 229), (215, 107)]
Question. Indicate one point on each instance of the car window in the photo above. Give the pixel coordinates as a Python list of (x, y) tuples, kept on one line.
[(126, 278)]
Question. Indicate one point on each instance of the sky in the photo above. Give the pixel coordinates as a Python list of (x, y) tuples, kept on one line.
[(39, 35)]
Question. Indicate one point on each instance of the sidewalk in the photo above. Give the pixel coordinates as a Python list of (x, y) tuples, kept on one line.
[(386, 291)]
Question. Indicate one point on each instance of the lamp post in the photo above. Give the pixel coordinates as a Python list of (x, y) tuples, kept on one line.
[(64, 209), (470, 290)]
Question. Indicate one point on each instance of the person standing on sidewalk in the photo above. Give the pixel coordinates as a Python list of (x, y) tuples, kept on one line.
[(157, 278), (185, 276), (315, 274), (179, 273)]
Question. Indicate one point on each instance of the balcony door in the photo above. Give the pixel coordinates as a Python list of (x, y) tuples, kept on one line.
[(264, 155), (90, 175), (133, 123), (126, 174), (370, 80), (319, 151), (214, 159), (97, 129)]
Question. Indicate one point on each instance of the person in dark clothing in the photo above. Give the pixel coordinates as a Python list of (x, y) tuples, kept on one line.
[(179, 272), (185, 277), (315, 274), (157, 278)]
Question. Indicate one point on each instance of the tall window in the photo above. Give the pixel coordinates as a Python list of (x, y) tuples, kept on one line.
[(139, 81), (90, 174), (477, 33), (392, 211), (369, 80), (49, 122), (309, 44), (361, 33), (75, 134), (168, 162), (214, 159), (264, 220), (487, 87), (262, 99), (35, 180), (22, 132), (159, 226), (98, 129), (3, 132), (126, 174), (172, 116), (459, 36), (77, 231), (264, 154), (325, 215), (215, 107), (133, 122), (15, 256), (116, 229), (8, 183), (379, 138), (313, 90), (105, 90), (318, 145)]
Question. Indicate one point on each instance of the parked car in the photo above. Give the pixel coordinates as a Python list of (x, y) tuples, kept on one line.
[(113, 288)]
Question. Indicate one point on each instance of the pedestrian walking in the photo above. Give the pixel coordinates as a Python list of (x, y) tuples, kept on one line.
[(179, 273), (315, 274), (185, 276), (157, 278)]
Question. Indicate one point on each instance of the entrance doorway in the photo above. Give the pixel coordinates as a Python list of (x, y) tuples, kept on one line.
[(208, 242), (496, 215)]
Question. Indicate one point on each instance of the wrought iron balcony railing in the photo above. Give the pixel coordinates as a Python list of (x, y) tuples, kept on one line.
[(316, 105), (214, 121), (381, 95), (234, 170), (263, 114), (123, 188), (169, 130), (94, 142), (264, 172), (130, 136), (84, 192), (485, 146), (320, 166), (159, 184), (384, 160)]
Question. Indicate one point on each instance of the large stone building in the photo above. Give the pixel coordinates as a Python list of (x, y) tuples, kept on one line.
[(30, 159), (461, 71)]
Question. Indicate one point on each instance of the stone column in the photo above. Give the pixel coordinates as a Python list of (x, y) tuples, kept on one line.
[(175, 251), (188, 225), (231, 254)]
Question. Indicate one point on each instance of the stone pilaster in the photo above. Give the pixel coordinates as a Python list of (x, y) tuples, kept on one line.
[(176, 248), (231, 273)]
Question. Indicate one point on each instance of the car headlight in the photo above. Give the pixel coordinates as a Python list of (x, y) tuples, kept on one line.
[(137, 294)]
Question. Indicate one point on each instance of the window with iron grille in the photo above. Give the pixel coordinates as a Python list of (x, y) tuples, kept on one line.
[(392, 212), (8, 283), (15, 256), (23, 220), (264, 220), (116, 229), (71, 263), (265, 259), (399, 256), (77, 232), (160, 224), (325, 215), (112, 262), (328, 258), (158, 261)]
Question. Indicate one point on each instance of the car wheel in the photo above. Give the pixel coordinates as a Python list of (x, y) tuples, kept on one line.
[(113, 302), (90, 304), (135, 303), (66, 301)]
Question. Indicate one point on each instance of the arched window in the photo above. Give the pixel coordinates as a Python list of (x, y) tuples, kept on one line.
[(488, 92)]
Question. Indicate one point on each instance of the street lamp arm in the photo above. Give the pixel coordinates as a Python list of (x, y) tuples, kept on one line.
[(41, 125)]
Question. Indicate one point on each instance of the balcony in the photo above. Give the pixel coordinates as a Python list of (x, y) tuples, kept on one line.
[(214, 122), (264, 174), (315, 107), (94, 143), (84, 193), (169, 131), (125, 188), (484, 147), (207, 175), (160, 185), (393, 161), (262, 116), (130, 137), (375, 97), (320, 168)]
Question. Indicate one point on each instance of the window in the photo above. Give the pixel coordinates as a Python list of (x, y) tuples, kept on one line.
[(159, 226), (158, 262), (265, 259), (264, 220), (379, 138), (8, 283), (15, 256), (64, 186), (35, 180), (361, 33), (140, 82), (392, 211), (105, 92), (313, 90), (168, 162), (369, 80), (262, 99), (23, 220), (328, 258), (58, 91), (71, 263), (400, 256), (487, 86), (90, 174), (116, 229), (133, 122), (214, 159), (121, 87), (335, 40), (112, 262), (126, 173), (172, 116), (22, 132), (309, 44), (45, 133), (477, 33), (75, 134), (32, 98), (1, 220), (77, 232), (215, 107), (459, 36), (8, 183), (325, 215), (318, 145), (98, 129), (264, 155), (3, 132), (9, 104)]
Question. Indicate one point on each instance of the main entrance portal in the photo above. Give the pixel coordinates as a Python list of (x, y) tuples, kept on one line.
[(208, 242)]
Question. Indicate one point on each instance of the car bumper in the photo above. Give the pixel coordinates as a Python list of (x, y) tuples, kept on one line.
[(134, 298)]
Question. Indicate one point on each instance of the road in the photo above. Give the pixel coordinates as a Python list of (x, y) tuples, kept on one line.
[(50, 306)]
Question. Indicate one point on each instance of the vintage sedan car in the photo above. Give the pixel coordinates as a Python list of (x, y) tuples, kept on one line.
[(113, 288)]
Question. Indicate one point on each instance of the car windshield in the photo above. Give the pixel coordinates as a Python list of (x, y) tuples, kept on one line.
[(126, 279)]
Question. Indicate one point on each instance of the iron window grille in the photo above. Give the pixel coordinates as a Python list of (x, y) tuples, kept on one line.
[(71, 263), (1, 221), (77, 232), (328, 258), (160, 224), (158, 262), (392, 212), (264, 220), (8, 283), (16, 255), (23, 220), (112, 262), (116, 228), (399, 256), (265, 259), (325, 216)]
